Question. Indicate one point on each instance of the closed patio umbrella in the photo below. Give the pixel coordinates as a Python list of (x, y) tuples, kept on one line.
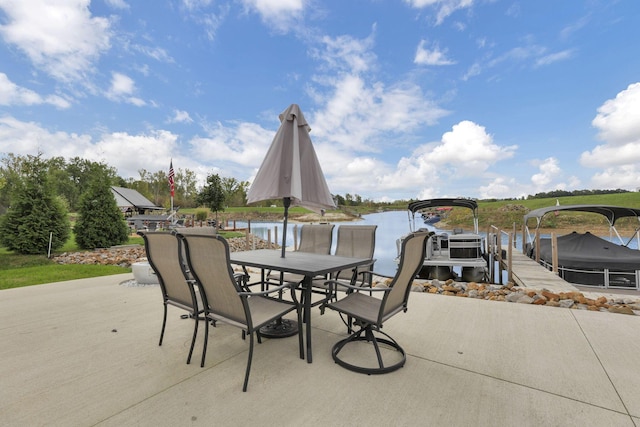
[(291, 171)]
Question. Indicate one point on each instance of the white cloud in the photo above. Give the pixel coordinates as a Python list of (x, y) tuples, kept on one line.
[(23, 138), (346, 53), (281, 15), (433, 56), (500, 188), (529, 54), (444, 8), (157, 53), (549, 176), (130, 153), (196, 4), (357, 111), (466, 151), (554, 57), (127, 153), (180, 116), (617, 118), (122, 89), (241, 144), (12, 94), (573, 28), (60, 38), (549, 171), (469, 150), (619, 129), (624, 176), (199, 12), (117, 4)]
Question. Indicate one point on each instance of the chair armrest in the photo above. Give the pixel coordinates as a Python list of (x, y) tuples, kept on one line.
[(268, 291), (333, 283)]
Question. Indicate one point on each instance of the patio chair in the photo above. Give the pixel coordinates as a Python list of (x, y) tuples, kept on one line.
[(163, 253), (226, 301), (314, 238), (356, 241), (242, 278), (369, 312)]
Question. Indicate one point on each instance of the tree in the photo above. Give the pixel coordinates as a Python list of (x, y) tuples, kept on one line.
[(100, 223), (212, 194), (235, 192), (80, 174), (37, 218)]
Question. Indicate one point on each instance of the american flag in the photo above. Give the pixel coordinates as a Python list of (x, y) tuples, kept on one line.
[(172, 186)]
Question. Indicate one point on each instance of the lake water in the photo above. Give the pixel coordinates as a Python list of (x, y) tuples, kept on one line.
[(391, 226)]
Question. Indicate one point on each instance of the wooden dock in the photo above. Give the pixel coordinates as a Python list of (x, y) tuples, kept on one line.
[(526, 272)]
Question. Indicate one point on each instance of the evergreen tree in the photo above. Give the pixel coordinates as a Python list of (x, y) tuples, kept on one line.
[(37, 217), (100, 223)]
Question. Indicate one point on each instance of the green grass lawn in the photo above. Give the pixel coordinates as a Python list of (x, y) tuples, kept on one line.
[(26, 270)]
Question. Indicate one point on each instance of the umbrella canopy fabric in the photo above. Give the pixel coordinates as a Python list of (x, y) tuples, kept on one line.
[(291, 168)]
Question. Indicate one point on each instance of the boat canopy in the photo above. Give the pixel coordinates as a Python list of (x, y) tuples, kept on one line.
[(421, 205), (434, 203), (612, 213)]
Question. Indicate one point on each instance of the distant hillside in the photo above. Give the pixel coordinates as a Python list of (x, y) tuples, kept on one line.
[(505, 213)]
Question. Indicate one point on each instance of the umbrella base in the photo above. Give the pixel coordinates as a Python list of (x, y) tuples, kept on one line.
[(280, 328)]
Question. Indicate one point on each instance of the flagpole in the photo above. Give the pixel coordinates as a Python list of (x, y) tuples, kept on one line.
[(171, 190), (173, 218)]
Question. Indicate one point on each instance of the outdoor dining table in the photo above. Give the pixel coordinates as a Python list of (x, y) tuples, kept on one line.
[(309, 265)]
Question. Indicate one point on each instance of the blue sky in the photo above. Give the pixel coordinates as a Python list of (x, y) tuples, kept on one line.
[(405, 98)]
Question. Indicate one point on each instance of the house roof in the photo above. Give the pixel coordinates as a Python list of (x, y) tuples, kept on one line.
[(128, 198)]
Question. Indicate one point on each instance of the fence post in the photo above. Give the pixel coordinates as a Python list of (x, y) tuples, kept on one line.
[(275, 237), (499, 255), (510, 257), (554, 253)]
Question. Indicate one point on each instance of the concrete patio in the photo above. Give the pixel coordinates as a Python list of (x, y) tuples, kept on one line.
[(85, 353)]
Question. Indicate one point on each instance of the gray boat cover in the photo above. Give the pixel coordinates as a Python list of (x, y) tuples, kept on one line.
[(589, 252)]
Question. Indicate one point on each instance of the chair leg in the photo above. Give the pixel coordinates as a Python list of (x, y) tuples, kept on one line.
[(369, 336), (246, 375), (193, 340), (300, 340), (372, 339), (204, 346), (164, 323)]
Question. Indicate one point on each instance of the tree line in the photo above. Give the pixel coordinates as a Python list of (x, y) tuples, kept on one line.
[(37, 194)]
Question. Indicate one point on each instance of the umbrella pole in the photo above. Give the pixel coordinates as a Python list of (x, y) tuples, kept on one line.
[(286, 202), (281, 328)]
